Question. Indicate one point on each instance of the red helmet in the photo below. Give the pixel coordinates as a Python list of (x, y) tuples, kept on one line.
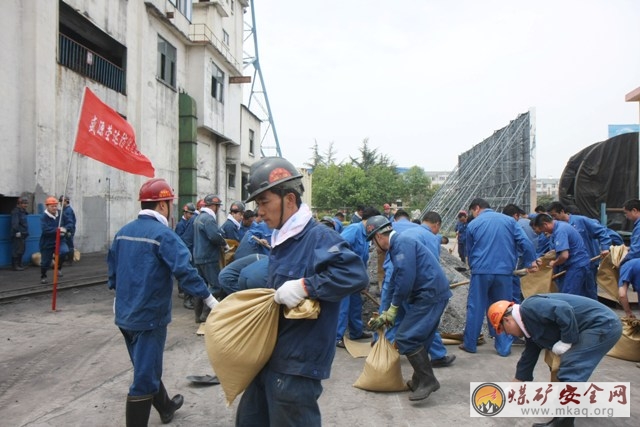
[(155, 190), (51, 201), (200, 204)]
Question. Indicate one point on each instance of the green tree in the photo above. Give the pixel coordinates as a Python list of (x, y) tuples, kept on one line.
[(416, 188)]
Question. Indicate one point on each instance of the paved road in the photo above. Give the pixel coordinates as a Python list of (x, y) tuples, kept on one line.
[(70, 368)]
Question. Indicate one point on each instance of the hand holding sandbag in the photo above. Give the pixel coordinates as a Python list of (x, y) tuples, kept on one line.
[(561, 348), (291, 293), (387, 318)]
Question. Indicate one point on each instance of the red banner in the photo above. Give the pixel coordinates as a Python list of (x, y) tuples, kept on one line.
[(106, 137)]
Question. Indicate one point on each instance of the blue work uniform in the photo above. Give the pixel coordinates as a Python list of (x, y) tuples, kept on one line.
[(207, 242), (634, 247), (578, 279), (418, 281), (20, 225), (339, 226), (231, 230), (69, 222), (616, 238), (351, 306), (592, 329), (230, 275), (249, 246), (181, 225), (49, 227), (461, 232), (285, 392), (596, 239), (494, 242), (143, 259)]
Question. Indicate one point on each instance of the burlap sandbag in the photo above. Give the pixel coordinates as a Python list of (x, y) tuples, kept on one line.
[(539, 282), (553, 360), (628, 346), (609, 273), (382, 370), (240, 335)]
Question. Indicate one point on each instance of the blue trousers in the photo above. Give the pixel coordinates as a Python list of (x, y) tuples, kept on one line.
[(577, 364), (146, 349), (436, 350), (280, 400), (351, 313), (420, 325), (484, 290), (579, 281), (209, 271)]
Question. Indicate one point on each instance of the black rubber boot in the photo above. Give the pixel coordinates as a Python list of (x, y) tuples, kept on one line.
[(424, 381), (557, 422), (138, 409), (16, 264), (166, 407)]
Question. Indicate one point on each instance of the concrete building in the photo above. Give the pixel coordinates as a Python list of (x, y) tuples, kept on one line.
[(172, 68), (547, 187)]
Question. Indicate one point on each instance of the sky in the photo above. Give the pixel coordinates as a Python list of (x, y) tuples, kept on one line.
[(426, 80)]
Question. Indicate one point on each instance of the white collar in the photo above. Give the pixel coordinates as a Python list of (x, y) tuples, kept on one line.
[(515, 313), (155, 214), (294, 225), (208, 210)]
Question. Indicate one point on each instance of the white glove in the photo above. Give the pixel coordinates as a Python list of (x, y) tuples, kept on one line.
[(18, 234), (211, 302), (291, 293), (561, 348), (63, 230)]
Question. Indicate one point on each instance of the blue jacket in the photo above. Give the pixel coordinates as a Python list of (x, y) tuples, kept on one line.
[(416, 271), (634, 248), (566, 238), (207, 239), (230, 230), (630, 273), (69, 219), (249, 246), (494, 242), (143, 259), (550, 318), (187, 233), (229, 276), (331, 271), (339, 226), (595, 235), (49, 228), (180, 226), (356, 236), (19, 222)]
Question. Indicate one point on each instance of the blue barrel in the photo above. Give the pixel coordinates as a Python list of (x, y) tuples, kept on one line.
[(33, 241)]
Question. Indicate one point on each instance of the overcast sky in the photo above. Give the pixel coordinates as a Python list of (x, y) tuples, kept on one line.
[(425, 80)]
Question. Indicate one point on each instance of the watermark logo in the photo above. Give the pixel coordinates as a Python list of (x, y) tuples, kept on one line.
[(554, 399), (488, 399)]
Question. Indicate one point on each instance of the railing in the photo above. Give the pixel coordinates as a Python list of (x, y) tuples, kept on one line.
[(88, 63), (202, 33)]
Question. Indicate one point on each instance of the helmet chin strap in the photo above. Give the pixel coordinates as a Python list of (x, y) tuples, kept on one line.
[(280, 222)]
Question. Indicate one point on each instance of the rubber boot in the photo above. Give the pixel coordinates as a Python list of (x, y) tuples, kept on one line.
[(166, 407), (138, 409), (424, 382), (198, 305), (557, 422), (15, 264)]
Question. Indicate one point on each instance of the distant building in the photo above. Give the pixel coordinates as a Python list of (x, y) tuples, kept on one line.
[(547, 187), (438, 177)]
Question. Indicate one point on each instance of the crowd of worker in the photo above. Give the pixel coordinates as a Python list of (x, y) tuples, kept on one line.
[(282, 245)]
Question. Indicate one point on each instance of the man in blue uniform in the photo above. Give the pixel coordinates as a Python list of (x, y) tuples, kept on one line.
[(461, 235), (143, 259), (578, 329), (19, 233), (69, 223), (231, 227), (184, 230), (629, 277), (307, 260), (494, 242), (49, 222), (207, 244), (419, 283), (631, 210), (351, 306), (571, 256)]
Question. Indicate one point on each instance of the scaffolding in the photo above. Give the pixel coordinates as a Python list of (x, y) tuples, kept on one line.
[(269, 145), (500, 169)]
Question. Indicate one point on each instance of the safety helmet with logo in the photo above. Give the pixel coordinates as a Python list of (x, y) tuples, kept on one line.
[(212, 199), (237, 207), (156, 190), (189, 208), (271, 172), (496, 312), (377, 224), (51, 201)]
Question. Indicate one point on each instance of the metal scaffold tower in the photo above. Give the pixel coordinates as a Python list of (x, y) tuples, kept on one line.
[(269, 145), (501, 170)]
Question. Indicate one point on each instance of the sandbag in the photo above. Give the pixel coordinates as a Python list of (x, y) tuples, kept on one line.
[(553, 360), (240, 335), (382, 370), (628, 346), (76, 255), (609, 273), (540, 282), (227, 257), (241, 332)]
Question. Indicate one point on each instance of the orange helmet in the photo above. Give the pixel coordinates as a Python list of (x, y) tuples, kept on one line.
[(51, 201), (496, 313), (155, 190)]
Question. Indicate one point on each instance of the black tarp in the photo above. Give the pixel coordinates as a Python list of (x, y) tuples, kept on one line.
[(606, 172)]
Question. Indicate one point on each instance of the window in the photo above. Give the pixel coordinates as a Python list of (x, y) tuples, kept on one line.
[(233, 6), (231, 176), (245, 180), (166, 62), (217, 83), (252, 136), (225, 37)]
